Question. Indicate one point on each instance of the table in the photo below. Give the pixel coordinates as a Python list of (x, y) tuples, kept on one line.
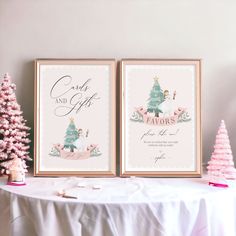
[(122, 207)]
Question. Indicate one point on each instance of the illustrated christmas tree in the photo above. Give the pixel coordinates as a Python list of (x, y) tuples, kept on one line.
[(71, 136), (13, 129), (221, 165), (156, 98)]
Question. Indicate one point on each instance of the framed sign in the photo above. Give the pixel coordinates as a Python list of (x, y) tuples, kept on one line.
[(75, 118), (160, 118)]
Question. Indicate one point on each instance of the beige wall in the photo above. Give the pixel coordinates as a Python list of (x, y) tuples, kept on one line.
[(32, 29)]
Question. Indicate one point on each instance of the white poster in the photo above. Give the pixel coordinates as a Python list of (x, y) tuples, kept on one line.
[(75, 117), (160, 117)]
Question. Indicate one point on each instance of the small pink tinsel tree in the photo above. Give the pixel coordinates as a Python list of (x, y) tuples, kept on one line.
[(13, 129), (221, 165)]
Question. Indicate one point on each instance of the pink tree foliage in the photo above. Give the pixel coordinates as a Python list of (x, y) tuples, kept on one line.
[(13, 129), (221, 164)]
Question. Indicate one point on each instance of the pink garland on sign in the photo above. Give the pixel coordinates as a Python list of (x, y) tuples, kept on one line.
[(13, 129)]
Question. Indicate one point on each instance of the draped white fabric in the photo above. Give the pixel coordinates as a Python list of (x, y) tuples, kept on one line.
[(122, 207)]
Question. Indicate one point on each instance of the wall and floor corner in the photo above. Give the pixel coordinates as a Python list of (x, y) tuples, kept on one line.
[(126, 29)]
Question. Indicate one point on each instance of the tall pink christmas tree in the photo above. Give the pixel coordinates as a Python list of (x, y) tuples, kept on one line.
[(13, 129), (221, 165)]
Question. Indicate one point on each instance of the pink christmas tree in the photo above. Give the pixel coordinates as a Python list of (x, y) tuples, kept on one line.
[(13, 129), (221, 165)]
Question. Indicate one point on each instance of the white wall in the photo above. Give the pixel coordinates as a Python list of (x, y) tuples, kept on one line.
[(126, 28)]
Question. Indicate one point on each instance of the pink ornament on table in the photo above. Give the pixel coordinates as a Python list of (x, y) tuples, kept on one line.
[(13, 130), (16, 169), (221, 166)]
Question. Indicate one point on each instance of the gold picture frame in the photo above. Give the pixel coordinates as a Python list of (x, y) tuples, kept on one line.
[(75, 120), (160, 127)]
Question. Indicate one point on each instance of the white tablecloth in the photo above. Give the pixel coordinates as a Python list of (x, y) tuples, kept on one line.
[(122, 207)]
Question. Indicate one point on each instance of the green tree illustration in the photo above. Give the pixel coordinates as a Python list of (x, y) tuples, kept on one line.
[(156, 97), (71, 136)]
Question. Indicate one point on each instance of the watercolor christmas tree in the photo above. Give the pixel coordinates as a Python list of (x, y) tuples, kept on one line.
[(71, 136), (156, 98), (13, 130), (221, 166)]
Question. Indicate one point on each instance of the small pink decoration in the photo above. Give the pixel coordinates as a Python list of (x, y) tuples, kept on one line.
[(13, 129), (16, 171), (221, 166)]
